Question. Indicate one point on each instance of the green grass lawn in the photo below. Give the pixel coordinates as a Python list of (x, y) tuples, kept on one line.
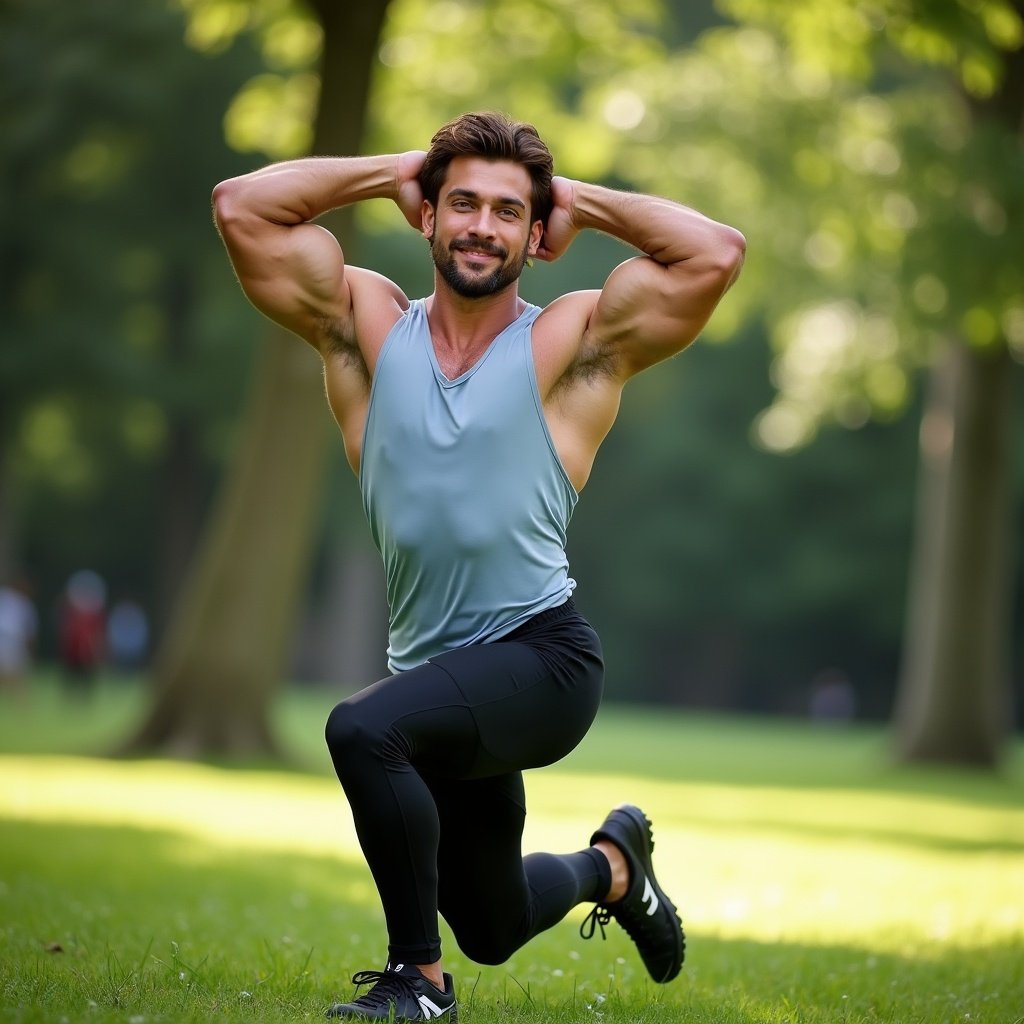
[(818, 882)]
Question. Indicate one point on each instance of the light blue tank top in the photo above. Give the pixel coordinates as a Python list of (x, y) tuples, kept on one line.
[(467, 500)]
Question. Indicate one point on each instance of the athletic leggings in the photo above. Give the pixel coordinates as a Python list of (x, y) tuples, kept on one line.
[(431, 762)]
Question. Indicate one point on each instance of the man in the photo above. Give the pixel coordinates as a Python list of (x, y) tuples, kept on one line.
[(472, 420)]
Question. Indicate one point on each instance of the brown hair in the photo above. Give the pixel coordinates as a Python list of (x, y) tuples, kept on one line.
[(493, 137)]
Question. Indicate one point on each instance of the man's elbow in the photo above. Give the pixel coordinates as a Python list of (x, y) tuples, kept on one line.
[(227, 207), (730, 250)]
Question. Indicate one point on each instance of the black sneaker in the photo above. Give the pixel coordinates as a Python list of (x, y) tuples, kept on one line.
[(645, 912), (399, 993)]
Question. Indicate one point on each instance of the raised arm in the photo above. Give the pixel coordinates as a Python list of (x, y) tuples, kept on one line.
[(654, 305), (290, 268)]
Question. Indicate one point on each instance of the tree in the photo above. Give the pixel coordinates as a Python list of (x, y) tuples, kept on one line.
[(954, 702), (225, 651), (896, 150)]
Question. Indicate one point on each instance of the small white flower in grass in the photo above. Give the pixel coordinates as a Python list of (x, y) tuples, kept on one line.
[(244, 995), (620, 959), (573, 955), (181, 975), (557, 973)]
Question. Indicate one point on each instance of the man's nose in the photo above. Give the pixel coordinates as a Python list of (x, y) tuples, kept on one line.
[(483, 223)]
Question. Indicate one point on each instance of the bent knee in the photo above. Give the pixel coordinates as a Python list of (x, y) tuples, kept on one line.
[(489, 950), (348, 729)]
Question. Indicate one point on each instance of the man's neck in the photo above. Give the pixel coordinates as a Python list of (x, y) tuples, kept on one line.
[(459, 324)]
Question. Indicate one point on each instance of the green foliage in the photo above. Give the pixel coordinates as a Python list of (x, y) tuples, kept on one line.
[(860, 189), (882, 212), (850, 37)]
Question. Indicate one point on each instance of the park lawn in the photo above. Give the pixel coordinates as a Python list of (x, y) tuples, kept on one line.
[(817, 882)]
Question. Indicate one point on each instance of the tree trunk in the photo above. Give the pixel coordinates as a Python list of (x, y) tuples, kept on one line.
[(227, 643), (954, 695)]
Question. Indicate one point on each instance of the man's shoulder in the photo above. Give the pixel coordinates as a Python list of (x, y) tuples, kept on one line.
[(369, 286)]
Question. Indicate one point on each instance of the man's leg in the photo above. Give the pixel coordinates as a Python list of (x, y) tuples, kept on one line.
[(481, 712), (374, 737), (493, 898)]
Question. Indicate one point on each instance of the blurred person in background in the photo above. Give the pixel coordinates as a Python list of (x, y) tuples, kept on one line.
[(81, 630), (473, 418), (127, 635), (19, 628)]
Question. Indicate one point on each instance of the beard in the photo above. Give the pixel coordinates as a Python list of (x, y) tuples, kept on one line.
[(476, 287)]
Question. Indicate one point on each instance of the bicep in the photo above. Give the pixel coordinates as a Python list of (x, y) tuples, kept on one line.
[(649, 311), (294, 274)]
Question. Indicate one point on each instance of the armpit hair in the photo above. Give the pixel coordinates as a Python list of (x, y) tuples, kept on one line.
[(342, 344), (591, 365)]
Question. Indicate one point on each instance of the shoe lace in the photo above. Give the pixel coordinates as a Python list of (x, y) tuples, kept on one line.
[(388, 986), (597, 918)]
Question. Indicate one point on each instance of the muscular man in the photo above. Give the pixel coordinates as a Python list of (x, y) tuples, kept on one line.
[(472, 419)]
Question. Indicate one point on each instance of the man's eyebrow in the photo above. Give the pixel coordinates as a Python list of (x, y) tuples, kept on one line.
[(468, 193)]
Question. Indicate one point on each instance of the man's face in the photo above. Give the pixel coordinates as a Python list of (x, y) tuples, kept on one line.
[(481, 234)]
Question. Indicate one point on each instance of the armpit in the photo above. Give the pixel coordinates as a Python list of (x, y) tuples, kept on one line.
[(341, 344), (591, 365)]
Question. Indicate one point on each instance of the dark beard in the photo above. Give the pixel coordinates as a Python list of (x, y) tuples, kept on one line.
[(476, 287)]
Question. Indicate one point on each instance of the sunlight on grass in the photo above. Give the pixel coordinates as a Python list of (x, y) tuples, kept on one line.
[(897, 871), (819, 881)]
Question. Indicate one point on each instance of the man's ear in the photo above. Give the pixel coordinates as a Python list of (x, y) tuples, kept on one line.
[(427, 220), (536, 234)]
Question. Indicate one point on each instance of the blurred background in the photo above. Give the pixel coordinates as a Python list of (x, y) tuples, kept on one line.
[(814, 511)]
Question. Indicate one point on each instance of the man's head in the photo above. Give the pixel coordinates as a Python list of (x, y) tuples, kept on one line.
[(492, 137), (487, 185)]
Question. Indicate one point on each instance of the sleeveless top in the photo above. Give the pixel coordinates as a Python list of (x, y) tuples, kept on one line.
[(467, 500)]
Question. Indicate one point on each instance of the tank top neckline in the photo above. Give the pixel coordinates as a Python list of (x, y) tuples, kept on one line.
[(428, 340)]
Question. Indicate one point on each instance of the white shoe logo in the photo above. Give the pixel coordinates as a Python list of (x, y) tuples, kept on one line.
[(651, 896), (430, 1009)]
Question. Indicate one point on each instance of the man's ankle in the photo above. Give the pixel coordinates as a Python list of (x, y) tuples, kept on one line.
[(433, 973), (619, 868)]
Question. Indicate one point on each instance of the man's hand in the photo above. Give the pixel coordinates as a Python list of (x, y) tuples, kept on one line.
[(408, 193), (560, 229)]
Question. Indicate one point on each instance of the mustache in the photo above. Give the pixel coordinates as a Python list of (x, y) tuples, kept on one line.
[(458, 245)]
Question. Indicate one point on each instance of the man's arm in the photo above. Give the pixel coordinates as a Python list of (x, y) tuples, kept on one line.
[(291, 269), (651, 306)]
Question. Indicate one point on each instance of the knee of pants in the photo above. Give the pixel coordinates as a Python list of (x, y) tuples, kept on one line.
[(485, 947), (350, 737)]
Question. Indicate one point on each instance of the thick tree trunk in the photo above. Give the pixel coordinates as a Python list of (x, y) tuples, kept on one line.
[(227, 644), (953, 700)]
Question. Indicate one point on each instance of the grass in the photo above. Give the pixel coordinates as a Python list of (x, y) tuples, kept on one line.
[(818, 882)]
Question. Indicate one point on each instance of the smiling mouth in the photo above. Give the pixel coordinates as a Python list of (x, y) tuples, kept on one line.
[(471, 252)]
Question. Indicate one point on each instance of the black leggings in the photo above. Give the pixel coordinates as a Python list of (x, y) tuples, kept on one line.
[(431, 762)]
